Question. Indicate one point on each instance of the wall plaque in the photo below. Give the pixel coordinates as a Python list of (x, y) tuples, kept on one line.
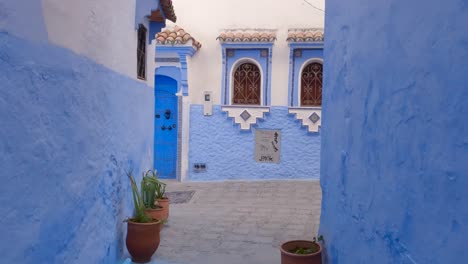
[(267, 146)]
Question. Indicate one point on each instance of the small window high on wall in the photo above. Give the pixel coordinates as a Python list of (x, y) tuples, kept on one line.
[(141, 52), (247, 85), (311, 85)]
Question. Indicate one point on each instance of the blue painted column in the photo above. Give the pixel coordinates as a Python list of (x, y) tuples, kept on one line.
[(395, 132)]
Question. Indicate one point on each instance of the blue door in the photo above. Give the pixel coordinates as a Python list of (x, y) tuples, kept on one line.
[(165, 127)]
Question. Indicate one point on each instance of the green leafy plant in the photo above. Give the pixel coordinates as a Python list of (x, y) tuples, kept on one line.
[(140, 216), (304, 251), (149, 186), (160, 186)]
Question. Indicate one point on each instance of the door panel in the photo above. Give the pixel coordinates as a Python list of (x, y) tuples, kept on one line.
[(165, 127)]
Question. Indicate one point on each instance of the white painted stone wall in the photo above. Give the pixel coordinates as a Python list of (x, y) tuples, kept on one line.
[(205, 19), (101, 30)]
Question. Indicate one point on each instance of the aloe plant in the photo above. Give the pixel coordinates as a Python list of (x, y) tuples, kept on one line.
[(149, 187), (140, 216), (160, 190)]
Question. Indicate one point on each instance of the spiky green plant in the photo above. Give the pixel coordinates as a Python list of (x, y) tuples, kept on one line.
[(149, 185), (140, 216), (160, 190)]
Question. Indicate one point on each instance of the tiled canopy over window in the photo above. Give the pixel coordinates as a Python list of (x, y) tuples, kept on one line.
[(306, 67), (246, 66)]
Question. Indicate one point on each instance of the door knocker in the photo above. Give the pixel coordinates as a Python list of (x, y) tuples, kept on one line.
[(167, 114)]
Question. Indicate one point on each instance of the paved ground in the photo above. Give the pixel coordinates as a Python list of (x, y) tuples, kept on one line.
[(238, 222)]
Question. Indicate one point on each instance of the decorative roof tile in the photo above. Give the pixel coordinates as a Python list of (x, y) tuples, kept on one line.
[(168, 9), (246, 35), (176, 36), (305, 35)]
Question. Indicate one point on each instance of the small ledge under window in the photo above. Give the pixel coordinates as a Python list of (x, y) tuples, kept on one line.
[(310, 117), (245, 116)]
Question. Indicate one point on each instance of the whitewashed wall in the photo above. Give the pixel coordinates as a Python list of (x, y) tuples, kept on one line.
[(204, 19), (103, 31)]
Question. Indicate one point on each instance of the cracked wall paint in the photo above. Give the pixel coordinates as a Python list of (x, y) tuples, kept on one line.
[(395, 135)]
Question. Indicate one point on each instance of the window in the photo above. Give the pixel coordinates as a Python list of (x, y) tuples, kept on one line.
[(247, 81), (141, 53), (311, 85)]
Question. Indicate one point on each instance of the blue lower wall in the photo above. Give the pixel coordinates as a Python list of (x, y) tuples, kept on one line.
[(229, 152), (394, 171), (69, 130)]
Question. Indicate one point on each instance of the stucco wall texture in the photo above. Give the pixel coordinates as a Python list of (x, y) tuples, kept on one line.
[(69, 130), (228, 152), (395, 132)]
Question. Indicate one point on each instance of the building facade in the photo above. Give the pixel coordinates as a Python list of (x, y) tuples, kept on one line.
[(246, 92)]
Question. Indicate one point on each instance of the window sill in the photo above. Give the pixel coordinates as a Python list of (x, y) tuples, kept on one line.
[(245, 116), (310, 117)]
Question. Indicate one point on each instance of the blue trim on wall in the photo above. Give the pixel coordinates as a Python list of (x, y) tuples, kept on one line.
[(182, 53), (143, 9), (251, 51), (308, 51), (154, 28), (169, 71)]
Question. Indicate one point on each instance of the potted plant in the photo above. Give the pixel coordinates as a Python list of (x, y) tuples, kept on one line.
[(142, 230), (149, 187), (302, 252), (161, 198)]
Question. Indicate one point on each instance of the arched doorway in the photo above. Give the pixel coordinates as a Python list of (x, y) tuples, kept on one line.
[(165, 127)]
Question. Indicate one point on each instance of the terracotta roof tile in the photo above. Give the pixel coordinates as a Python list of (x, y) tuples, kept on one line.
[(241, 35), (176, 36), (168, 9), (305, 35)]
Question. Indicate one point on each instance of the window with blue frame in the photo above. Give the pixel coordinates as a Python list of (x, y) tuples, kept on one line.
[(246, 71), (311, 84), (306, 67)]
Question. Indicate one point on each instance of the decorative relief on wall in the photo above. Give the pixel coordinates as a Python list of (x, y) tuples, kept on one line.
[(310, 117), (267, 146), (245, 116)]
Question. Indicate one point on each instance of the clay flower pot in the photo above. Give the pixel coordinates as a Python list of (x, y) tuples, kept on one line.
[(157, 213), (142, 240), (164, 202), (292, 258)]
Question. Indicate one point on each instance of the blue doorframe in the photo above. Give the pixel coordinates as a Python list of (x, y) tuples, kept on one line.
[(165, 127)]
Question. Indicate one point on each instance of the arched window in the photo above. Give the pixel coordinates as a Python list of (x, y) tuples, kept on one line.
[(311, 85), (247, 81)]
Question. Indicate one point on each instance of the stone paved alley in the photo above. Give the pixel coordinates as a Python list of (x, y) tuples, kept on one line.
[(238, 222)]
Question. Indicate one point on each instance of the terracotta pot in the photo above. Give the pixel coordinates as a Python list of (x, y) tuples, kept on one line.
[(291, 258), (158, 214), (142, 240), (164, 202)]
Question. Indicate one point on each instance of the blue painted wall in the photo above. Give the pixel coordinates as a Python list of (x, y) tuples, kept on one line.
[(69, 129), (229, 152), (395, 132)]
